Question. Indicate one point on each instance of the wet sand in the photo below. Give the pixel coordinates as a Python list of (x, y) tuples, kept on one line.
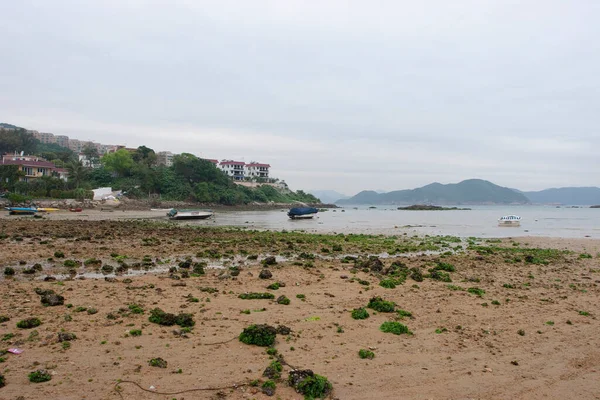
[(479, 352)]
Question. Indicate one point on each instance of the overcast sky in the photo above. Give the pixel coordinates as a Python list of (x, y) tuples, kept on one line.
[(344, 95)]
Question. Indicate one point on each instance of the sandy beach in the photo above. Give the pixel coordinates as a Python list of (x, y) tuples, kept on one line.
[(509, 319)]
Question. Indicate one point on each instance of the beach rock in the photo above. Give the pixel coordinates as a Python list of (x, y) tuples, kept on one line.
[(373, 264), (283, 330), (299, 375), (265, 274), (269, 391), (269, 260), (52, 299), (66, 337), (49, 279)]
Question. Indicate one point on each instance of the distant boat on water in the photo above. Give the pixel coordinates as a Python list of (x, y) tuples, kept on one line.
[(302, 212), (189, 214), (509, 220)]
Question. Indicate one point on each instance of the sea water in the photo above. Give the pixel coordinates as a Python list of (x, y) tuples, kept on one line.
[(480, 221)]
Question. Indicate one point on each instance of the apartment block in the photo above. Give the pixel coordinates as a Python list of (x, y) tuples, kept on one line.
[(164, 158)]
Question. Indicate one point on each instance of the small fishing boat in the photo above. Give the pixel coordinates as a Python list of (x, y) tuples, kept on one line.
[(21, 210), (509, 220), (47, 209), (78, 209), (302, 212), (189, 214)]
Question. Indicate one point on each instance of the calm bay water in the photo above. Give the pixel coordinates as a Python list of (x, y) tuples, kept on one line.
[(481, 221)]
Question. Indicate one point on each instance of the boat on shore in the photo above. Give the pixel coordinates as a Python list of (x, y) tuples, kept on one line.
[(189, 214), (47, 209), (509, 220), (302, 212), (21, 210)]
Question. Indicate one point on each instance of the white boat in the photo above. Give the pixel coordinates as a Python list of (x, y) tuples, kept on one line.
[(189, 214), (509, 220)]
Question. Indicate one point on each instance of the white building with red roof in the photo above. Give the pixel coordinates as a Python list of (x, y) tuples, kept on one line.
[(234, 169), (257, 170)]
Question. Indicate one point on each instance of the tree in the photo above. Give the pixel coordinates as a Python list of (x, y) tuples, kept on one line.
[(91, 154), (145, 155), (9, 175), (16, 141), (119, 162), (77, 173)]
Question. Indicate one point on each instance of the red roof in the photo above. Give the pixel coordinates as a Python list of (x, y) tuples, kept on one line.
[(232, 163), (211, 160), (46, 164), (258, 165)]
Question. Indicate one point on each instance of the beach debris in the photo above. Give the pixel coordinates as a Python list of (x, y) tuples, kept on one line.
[(15, 350), (259, 335)]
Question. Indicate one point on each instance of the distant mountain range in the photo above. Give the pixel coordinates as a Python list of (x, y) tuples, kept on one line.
[(471, 191), (476, 191), (567, 195), (328, 196)]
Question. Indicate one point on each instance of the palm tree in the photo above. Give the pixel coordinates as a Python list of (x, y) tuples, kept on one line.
[(77, 172)]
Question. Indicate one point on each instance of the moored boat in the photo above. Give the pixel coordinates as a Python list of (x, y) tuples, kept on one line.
[(509, 220), (302, 212), (189, 214), (47, 209)]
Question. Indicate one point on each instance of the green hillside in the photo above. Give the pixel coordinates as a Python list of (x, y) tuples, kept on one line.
[(471, 191)]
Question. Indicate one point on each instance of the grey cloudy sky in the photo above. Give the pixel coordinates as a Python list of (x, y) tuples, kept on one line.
[(345, 95)]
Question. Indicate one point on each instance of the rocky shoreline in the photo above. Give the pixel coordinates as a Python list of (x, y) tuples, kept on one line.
[(112, 308)]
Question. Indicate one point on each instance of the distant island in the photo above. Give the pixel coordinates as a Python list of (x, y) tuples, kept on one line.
[(423, 207), (598, 206), (471, 191), (565, 195)]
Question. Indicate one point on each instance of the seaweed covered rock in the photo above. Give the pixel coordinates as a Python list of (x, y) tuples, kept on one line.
[(283, 330), (309, 384), (378, 304), (52, 299), (373, 264), (66, 337), (2, 381), (283, 300), (29, 323), (273, 371), (260, 335), (160, 317), (265, 274), (270, 260)]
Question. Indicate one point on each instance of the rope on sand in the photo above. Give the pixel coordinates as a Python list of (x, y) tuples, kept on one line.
[(118, 390)]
